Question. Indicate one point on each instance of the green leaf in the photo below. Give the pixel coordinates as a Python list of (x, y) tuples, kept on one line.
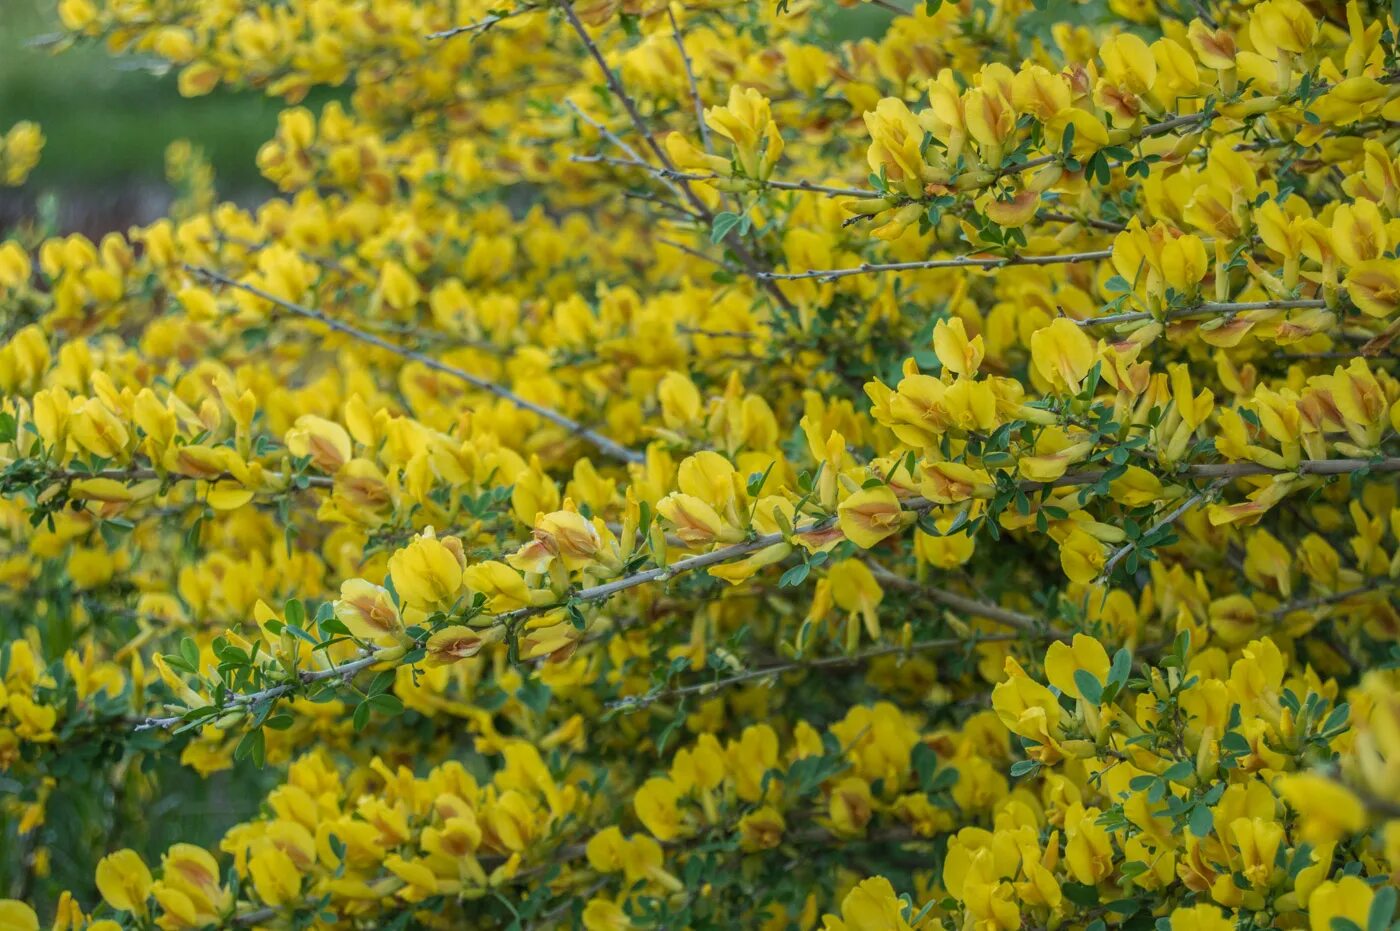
[(381, 683), (387, 705), (1022, 767), (534, 695), (1121, 668), (361, 716), (1382, 909), (724, 224), (794, 576), (1337, 720), (925, 762), (189, 652), (1088, 686), (251, 746), (1202, 820)]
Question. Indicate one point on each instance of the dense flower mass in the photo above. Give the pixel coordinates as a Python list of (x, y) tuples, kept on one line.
[(719, 465)]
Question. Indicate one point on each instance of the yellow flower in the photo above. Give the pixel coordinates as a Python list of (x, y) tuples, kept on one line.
[(564, 535), (750, 758), (871, 906), (896, 139), (1062, 660), (276, 878), (76, 15), (1258, 840), (456, 643), (605, 915), (1063, 355), (746, 122), (1203, 917), (34, 722), (1358, 232), (188, 891), (368, 611), (681, 404), (1088, 849), (1349, 897), (399, 288), (1374, 286), (1029, 710), (855, 590), (1281, 26), (870, 515), (15, 267), (656, 806), (761, 829), (504, 588), (426, 574), (953, 482), (1327, 810), (850, 807), (1081, 556), (694, 521), (124, 881), (1128, 62), (16, 916), (97, 429), (325, 442)]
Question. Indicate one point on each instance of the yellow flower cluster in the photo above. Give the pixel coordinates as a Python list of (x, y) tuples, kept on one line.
[(677, 465), (20, 149)]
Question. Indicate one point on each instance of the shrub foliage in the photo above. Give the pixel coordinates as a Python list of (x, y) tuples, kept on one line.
[(678, 466)]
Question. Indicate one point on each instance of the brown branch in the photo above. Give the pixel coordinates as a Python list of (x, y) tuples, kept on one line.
[(736, 551)]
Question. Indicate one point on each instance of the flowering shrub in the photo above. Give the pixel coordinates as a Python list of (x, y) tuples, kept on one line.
[(663, 466)]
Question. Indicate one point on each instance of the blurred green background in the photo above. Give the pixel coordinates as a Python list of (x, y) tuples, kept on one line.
[(108, 120)]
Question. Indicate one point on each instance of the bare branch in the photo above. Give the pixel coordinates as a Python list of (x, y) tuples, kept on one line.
[(1205, 308), (690, 76), (1177, 513), (963, 261), (607, 446), (482, 25), (736, 551), (707, 689)]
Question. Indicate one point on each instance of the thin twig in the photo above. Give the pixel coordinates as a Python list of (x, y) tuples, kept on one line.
[(1326, 600), (696, 253), (690, 76), (1176, 514), (622, 144), (482, 25), (825, 662), (774, 183), (736, 551), (1106, 225), (1015, 620), (962, 261), (732, 238), (142, 474), (235, 701), (1204, 308), (607, 446)]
